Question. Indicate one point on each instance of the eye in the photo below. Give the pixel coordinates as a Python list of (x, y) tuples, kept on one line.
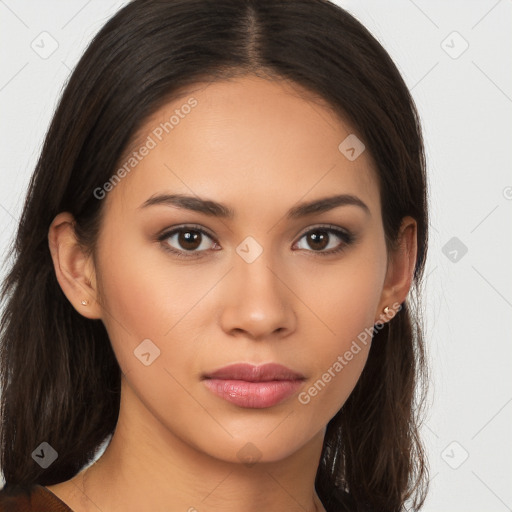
[(189, 239), (320, 238)]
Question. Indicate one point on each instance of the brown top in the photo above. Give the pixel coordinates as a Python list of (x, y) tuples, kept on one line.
[(36, 499)]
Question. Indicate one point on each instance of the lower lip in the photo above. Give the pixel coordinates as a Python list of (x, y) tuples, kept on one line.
[(255, 395)]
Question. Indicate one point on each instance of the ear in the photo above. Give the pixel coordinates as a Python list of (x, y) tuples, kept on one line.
[(73, 267), (400, 271)]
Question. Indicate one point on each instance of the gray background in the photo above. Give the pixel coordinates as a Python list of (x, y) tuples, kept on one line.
[(455, 57)]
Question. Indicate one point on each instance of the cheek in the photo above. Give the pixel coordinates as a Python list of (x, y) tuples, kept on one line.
[(143, 289), (139, 300), (145, 299), (338, 359), (345, 300), (146, 295)]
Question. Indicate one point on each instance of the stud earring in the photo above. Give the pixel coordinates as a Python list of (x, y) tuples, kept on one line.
[(85, 302), (386, 310)]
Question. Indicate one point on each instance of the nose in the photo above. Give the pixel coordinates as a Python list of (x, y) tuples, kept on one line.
[(256, 302)]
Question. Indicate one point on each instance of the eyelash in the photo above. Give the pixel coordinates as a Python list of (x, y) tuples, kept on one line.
[(346, 236)]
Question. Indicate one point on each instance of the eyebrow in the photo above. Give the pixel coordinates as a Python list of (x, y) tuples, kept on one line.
[(215, 209)]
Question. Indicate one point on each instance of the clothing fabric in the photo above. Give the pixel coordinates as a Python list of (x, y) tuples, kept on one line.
[(34, 499)]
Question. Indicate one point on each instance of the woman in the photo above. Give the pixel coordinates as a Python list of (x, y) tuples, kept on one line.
[(213, 272)]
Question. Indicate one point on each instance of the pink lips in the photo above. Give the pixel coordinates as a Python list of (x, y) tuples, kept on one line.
[(252, 386)]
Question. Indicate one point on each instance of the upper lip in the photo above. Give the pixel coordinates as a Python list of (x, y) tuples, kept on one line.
[(253, 373)]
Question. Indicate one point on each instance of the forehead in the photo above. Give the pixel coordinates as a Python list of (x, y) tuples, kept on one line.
[(247, 142)]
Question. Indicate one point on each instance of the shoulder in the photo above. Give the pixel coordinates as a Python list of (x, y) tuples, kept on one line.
[(35, 498)]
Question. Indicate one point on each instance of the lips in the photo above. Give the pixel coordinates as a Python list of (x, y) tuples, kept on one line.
[(256, 387), (251, 373)]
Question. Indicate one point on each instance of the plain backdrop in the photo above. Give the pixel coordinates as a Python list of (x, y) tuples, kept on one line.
[(456, 57)]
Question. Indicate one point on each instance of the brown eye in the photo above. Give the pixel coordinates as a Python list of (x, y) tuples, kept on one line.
[(185, 240), (318, 240), (321, 238), (189, 240)]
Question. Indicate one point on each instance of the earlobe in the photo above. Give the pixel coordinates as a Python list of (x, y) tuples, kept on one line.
[(400, 271), (74, 268)]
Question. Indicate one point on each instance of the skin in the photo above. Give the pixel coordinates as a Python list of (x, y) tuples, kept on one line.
[(260, 147)]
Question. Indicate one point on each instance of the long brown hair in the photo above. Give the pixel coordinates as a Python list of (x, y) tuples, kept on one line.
[(60, 381)]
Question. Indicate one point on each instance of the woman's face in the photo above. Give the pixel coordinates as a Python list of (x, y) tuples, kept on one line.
[(262, 285)]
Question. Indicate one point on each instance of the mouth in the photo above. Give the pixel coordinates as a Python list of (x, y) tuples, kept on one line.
[(255, 387)]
